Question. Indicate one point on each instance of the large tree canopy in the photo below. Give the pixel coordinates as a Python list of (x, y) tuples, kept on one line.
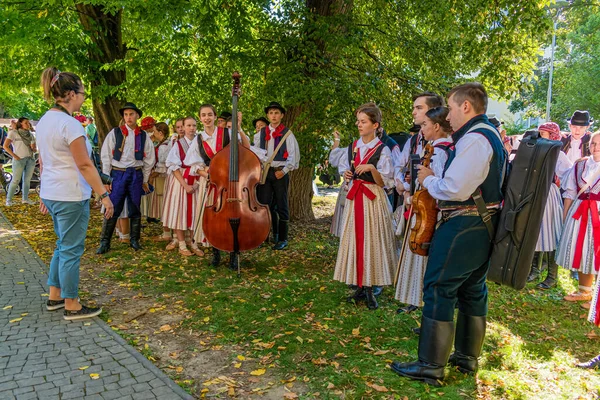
[(321, 59)]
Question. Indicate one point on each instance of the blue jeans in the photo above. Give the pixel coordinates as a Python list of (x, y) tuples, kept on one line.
[(22, 169), (70, 219)]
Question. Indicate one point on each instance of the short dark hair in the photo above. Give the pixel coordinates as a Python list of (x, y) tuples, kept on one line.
[(474, 93), (431, 99)]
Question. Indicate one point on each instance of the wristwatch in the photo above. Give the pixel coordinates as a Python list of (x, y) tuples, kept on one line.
[(105, 194)]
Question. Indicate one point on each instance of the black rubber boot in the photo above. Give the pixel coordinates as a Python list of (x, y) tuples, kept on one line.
[(283, 235), (233, 261), (371, 299), (136, 231), (108, 227), (358, 295), (470, 332), (536, 267), (552, 276), (435, 343), (216, 258)]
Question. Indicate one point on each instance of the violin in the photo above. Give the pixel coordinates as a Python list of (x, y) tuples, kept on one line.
[(236, 221), (424, 214)]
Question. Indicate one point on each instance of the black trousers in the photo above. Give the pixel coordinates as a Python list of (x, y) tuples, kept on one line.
[(274, 193)]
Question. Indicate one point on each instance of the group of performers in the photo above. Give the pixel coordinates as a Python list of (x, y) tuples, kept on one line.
[(173, 175), (467, 160)]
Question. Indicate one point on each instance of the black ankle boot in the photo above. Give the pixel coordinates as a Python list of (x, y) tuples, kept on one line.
[(216, 258), (136, 231), (371, 299), (358, 295), (435, 343), (108, 227), (470, 332), (552, 276), (283, 235), (233, 261), (536, 267)]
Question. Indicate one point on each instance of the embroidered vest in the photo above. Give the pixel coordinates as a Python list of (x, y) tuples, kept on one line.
[(373, 160), (204, 149), (585, 145), (282, 153), (388, 141), (592, 192), (491, 187), (140, 143)]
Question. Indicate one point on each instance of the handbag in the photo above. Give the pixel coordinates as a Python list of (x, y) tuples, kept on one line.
[(267, 165)]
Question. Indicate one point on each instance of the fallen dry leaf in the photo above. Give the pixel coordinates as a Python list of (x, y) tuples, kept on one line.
[(258, 372)]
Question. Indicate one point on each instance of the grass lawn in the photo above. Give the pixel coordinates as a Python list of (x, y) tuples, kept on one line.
[(284, 330)]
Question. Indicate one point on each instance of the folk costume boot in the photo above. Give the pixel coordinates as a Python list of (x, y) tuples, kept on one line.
[(371, 299), (552, 276), (470, 332), (275, 227), (216, 258), (283, 235), (536, 267), (108, 227), (435, 344), (136, 231), (234, 260)]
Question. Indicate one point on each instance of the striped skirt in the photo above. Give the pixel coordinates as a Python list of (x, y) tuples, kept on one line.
[(594, 307), (338, 214), (155, 199), (409, 289), (379, 245), (175, 211), (567, 244), (552, 223), (205, 198)]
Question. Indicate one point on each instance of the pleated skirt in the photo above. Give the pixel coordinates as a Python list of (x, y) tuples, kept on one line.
[(594, 307), (205, 198), (175, 210), (155, 200), (380, 256), (338, 213), (567, 244), (409, 288), (552, 223)]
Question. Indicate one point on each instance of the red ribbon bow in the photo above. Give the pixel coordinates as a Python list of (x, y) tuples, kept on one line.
[(586, 208), (125, 131), (275, 134), (359, 189)]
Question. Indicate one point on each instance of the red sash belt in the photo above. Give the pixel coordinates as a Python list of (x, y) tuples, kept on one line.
[(189, 179), (583, 214), (358, 189)]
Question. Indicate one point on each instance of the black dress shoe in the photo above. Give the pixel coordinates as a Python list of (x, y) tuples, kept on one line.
[(591, 364), (280, 245), (104, 248), (358, 295), (407, 309), (135, 244)]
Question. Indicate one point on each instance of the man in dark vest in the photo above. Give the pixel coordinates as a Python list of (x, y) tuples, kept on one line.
[(461, 246), (128, 157), (275, 190), (577, 144)]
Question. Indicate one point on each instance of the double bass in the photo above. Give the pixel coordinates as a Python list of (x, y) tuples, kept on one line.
[(236, 221)]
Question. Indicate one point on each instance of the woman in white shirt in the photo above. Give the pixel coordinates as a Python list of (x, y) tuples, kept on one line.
[(68, 176), (20, 144)]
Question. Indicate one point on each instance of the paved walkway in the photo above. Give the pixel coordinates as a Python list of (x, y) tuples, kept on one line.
[(45, 357)]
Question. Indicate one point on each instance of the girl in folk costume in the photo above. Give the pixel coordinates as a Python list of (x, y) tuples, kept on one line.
[(409, 289), (206, 145), (335, 157), (580, 239), (181, 194), (552, 221), (148, 124), (162, 147), (367, 251)]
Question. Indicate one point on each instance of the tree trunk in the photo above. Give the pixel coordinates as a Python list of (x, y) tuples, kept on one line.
[(107, 46), (301, 194)]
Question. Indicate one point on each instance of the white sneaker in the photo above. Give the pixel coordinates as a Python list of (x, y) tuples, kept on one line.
[(30, 202), (9, 203)]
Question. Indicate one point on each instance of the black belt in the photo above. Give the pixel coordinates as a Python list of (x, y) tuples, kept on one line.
[(276, 168), (125, 169)]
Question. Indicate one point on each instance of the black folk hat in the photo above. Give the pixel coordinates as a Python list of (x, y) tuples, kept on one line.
[(276, 105), (130, 106), (580, 118), (414, 128), (263, 119), (225, 115)]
